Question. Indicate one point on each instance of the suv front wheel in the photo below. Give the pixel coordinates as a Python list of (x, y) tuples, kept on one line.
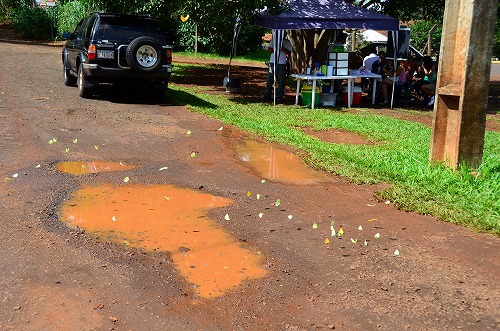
[(85, 92), (144, 54)]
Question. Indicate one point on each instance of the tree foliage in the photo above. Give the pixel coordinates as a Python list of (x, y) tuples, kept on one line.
[(215, 21), (496, 38), (34, 23), (413, 10), (419, 35)]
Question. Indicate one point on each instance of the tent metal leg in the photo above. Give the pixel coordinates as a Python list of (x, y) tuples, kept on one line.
[(297, 92)]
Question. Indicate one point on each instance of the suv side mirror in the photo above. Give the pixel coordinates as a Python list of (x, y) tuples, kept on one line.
[(66, 35)]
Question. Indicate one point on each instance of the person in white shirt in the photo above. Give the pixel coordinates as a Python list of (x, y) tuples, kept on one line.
[(368, 64), (286, 48), (368, 61)]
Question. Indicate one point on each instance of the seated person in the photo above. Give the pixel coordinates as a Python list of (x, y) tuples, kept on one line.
[(369, 60), (409, 68), (368, 65), (397, 78), (417, 80), (428, 85), (379, 66)]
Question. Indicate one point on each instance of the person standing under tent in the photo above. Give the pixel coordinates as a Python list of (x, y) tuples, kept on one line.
[(286, 48)]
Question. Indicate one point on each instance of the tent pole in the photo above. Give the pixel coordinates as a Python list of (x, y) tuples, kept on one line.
[(395, 46), (274, 85), (277, 44)]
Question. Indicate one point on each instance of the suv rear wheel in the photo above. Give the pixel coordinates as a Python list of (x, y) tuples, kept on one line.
[(144, 54), (85, 92), (69, 79)]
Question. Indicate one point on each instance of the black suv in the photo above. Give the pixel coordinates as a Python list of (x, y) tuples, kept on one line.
[(116, 48)]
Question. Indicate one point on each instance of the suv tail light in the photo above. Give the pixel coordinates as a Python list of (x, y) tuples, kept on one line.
[(92, 54), (169, 55)]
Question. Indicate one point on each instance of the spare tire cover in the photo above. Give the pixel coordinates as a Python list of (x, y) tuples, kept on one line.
[(144, 54)]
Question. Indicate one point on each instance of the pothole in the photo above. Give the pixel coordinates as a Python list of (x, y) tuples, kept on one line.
[(276, 164), (171, 219), (83, 168)]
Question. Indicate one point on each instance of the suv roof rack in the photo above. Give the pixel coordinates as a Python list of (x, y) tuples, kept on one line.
[(100, 12)]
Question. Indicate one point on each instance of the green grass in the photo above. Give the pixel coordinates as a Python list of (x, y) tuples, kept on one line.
[(259, 56), (399, 156)]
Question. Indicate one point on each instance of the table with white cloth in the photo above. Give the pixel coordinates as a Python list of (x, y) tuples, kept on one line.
[(315, 78)]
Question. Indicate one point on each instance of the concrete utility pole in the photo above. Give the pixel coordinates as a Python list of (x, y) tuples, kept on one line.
[(462, 85)]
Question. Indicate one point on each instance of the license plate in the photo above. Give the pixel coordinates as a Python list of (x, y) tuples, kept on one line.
[(105, 54)]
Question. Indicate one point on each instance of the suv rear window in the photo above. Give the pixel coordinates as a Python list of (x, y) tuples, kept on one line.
[(122, 28)]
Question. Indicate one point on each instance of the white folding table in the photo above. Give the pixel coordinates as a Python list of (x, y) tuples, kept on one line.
[(315, 78)]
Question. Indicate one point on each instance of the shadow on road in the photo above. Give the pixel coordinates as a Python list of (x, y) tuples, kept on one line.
[(140, 95)]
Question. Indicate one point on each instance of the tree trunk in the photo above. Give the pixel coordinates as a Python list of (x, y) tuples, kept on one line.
[(309, 46)]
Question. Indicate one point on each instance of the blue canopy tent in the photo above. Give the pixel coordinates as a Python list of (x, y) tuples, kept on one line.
[(323, 14)]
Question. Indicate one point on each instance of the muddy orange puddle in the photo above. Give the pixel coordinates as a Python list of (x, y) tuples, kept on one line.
[(167, 218), (276, 163), (82, 168)]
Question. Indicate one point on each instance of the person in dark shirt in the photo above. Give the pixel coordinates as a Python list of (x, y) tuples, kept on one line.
[(380, 67)]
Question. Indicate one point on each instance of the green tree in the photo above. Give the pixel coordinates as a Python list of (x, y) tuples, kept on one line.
[(419, 35), (413, 10), (69, 14), (215, 21), (34, 23), (496, 38)]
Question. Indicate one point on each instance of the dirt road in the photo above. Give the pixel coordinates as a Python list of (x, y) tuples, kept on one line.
[(56, 276)]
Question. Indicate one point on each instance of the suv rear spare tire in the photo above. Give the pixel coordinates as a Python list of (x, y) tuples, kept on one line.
[(144, 54)]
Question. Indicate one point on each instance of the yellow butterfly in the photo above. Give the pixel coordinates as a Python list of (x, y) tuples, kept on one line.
[(184, 19)]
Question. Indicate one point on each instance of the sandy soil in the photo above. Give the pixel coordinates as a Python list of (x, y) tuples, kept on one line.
[(58, 278)]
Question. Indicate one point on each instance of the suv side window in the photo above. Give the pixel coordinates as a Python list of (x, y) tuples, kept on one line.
[(90, 25), (78, 34)]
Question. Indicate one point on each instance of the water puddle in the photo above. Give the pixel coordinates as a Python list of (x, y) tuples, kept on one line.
[(83, 168), (167, 218), (276, 164)]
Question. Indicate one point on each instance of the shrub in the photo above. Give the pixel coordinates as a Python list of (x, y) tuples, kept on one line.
[(218, 39), (35, 23), (69, 14)]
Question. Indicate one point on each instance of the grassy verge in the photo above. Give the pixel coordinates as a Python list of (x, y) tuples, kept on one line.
[(400, 156), (259, 56)]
